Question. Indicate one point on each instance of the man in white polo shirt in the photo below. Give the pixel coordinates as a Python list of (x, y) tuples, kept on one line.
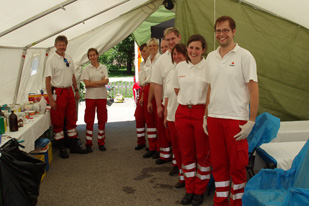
[(164, 46), (232, 76), (60, 78), (161, 69)]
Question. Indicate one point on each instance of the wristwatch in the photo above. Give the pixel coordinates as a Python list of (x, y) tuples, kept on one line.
[(76, 90)]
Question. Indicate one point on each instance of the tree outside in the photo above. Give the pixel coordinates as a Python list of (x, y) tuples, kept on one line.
[(120, 59)]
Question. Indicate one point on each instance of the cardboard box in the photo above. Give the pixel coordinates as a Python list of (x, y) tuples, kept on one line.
[(47, 154), (37, 97)]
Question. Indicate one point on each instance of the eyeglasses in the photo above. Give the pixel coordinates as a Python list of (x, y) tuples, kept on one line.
[(66, 62), (224, 31)]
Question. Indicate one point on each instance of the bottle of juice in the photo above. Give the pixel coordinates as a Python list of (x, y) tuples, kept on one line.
[(13, 122)]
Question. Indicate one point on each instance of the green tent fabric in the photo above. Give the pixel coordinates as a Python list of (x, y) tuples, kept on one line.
[(142, 33), (280, 48)]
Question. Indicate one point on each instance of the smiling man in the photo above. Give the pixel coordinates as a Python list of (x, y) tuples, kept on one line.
[(232, 77), (60, 78), (164, 46)]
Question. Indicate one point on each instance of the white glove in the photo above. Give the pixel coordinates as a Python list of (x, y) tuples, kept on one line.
[(245, 130), (205, 124)]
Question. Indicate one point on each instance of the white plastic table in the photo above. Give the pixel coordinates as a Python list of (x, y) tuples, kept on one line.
[(31, 131)]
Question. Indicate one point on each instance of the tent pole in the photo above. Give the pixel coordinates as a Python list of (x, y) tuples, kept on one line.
[(20, 71), (55, 8), (214, 24), (80, 22), (44, 66)]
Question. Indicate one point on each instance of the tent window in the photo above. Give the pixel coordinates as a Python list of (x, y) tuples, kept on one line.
[(35, 64)]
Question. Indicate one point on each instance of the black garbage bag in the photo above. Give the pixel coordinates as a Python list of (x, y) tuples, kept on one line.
[(20, 175)]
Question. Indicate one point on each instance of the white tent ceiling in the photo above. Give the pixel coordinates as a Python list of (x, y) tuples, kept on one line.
[(35, 23), (295, 11), (25, 23)]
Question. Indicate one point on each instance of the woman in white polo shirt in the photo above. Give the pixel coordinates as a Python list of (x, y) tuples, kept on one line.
[(193, 142), (95, 76), (179, 53), (153, 48)]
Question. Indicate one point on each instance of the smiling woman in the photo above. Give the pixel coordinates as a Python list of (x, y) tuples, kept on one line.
[(192, 141)]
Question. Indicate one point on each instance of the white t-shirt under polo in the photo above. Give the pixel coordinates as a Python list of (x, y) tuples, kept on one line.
[(228, 77), (188, 79), (91, 73), (61, 75), (147, 69), (169, 93)]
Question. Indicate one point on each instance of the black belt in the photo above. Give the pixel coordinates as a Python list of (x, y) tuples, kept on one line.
[(53, 88), (190, 106)]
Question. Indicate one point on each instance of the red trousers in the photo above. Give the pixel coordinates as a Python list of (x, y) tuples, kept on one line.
[(150, 121), (194, 147), (140, 124), (164, 141), (229, 159), (175, 148), (66, 109), (91, 106)]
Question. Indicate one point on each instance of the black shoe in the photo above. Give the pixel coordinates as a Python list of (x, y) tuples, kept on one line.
[(187, 199), (102, 148), (88, 149), (156, 155), (197, 200), (140, 146), (180, 185), (147, 149), (75, 147), (63, 153), (148, 154), (161, 161), (174, 171)]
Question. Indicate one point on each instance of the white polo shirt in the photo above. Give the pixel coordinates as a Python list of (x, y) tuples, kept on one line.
[(91, 73), (161, 69), (169, 93), (61, 75), (188, 79), (147, 68), (228, 77)]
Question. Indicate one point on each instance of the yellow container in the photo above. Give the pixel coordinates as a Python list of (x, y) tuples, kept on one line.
[(42, 158)]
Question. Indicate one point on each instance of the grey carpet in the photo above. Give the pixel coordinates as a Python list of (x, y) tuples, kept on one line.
[(117, 176)]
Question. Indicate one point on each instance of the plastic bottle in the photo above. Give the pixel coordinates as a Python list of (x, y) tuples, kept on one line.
[(20, 122), (2, 125), (13, 122), (42, 103)]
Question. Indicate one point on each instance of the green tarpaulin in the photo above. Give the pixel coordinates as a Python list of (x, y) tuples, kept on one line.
[(280, 48)]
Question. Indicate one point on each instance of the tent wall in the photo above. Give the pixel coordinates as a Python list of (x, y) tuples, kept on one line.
[(32, 81), (280, 48), (9, 67)]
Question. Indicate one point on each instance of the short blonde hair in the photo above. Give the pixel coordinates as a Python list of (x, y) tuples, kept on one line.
[(152, 40), (171, 30)]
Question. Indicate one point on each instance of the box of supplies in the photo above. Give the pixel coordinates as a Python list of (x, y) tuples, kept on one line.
[(32, 97), (46, 152)]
